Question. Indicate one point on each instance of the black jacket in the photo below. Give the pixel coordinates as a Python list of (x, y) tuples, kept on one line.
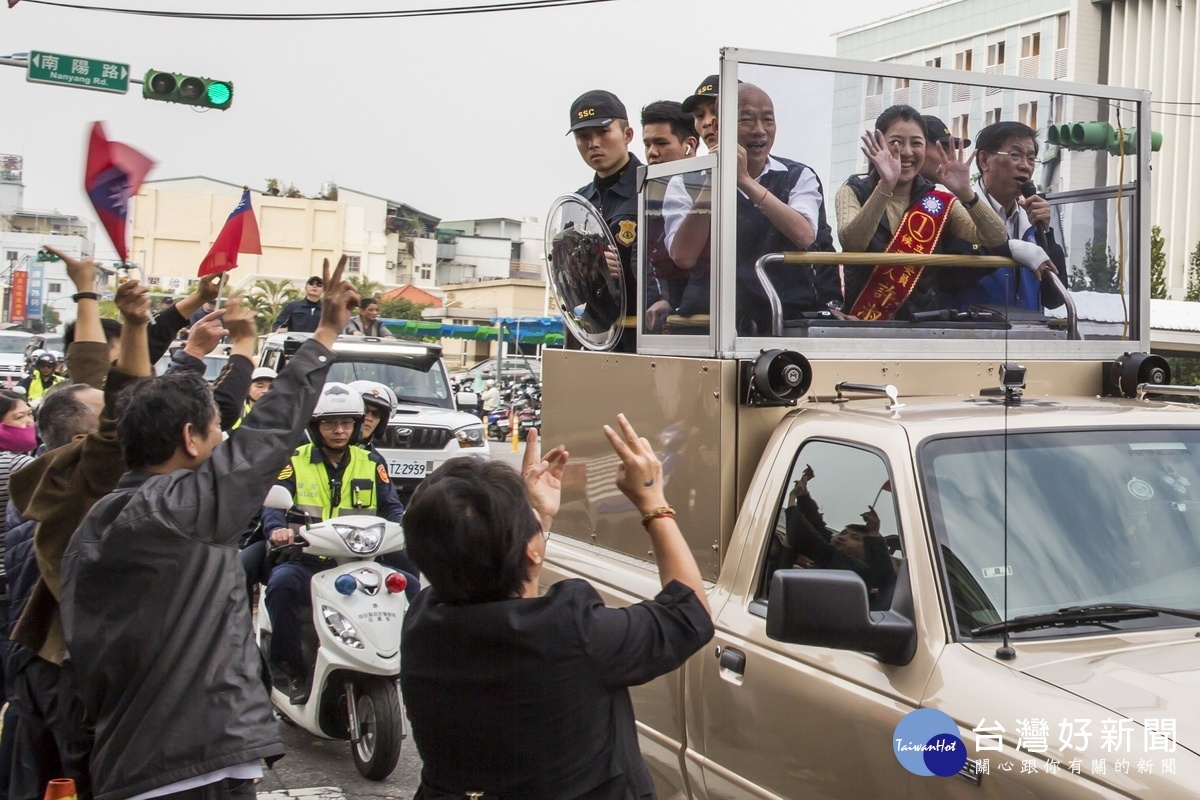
[(528, 699), (154, 604), (299, 316)]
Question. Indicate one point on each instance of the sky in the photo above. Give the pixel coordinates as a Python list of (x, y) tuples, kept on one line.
[(459, 116)]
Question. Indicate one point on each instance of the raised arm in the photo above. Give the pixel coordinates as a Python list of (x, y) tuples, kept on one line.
[(234, 382), (640, 478), (89, 362)]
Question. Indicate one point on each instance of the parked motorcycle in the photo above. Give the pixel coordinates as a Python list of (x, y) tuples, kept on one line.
[(358, 607), (498, 423)]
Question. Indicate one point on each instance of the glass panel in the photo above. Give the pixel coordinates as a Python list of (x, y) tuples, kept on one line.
[(679, 253), (1119, 507), (831, 517), (819, 177), (411, 385)]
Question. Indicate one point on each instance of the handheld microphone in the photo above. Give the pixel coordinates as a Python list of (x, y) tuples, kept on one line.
[(1039, 230)]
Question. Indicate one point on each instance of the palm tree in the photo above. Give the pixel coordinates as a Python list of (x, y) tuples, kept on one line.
[(267, 298), (366, 287)]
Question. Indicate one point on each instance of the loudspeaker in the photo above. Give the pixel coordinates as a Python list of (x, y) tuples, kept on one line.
[(775, 378), (1121, 377)]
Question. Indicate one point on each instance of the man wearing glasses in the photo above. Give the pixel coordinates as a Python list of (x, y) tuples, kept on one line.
[(1006, 154), (327, 478)]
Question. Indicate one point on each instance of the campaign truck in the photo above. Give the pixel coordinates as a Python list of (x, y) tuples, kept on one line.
[(952, 549)]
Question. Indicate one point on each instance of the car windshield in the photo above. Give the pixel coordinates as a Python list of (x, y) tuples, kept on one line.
[(13, 344), (1093, 517), (409, 383)]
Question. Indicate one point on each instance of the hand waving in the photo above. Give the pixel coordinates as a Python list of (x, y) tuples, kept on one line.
[(340, 299), (955, 170), (239, 320), (885, 161), (133, 300), (640, 475), (82, 272), (543, 477)]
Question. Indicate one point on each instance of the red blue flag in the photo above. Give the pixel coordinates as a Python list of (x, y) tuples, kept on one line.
[(113, 175), (240, 235)]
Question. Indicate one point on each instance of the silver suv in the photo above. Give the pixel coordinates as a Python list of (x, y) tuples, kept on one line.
[(425, 428)]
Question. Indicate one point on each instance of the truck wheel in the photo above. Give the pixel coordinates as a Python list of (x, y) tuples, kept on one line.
[(378, 749)]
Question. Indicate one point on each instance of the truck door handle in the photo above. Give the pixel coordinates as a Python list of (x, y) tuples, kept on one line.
[(733, 661)]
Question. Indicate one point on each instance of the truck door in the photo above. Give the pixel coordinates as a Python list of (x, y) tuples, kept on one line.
[(782, 720)]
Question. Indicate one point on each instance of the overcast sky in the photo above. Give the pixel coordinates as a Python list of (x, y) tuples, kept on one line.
[(459, 116)]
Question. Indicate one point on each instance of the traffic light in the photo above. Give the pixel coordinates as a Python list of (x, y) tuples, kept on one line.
[(187, 89), (46, 255), (1099, 136)]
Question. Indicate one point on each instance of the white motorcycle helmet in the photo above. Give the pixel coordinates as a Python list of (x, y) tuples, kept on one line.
[(337, 400), (379, 396)]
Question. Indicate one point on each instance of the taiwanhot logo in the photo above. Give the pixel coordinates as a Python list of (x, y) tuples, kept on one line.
[(926, 743)]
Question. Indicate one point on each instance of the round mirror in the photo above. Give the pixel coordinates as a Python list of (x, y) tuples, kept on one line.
[(585, 272)]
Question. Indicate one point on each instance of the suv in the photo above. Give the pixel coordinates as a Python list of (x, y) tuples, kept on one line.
[(12, 354), (425, 428)]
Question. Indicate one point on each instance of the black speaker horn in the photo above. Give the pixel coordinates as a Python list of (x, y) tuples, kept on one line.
[(1122, 376), (776, 378)]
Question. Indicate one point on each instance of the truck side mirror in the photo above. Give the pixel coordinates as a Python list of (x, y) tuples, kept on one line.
[(828, 608), (466, 399)]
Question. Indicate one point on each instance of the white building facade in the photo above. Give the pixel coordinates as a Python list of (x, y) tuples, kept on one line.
[(1148, 44)]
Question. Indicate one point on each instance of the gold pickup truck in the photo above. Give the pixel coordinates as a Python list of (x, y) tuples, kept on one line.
[(950, 555)]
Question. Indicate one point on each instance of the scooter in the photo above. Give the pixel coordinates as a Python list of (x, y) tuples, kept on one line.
[(498, 423), (358, 607)]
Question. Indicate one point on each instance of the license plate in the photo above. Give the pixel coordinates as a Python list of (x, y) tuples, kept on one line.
[(407, 469)]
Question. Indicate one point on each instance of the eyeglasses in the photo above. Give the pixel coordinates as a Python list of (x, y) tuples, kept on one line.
[(335, 424), (1017, 156), (546, 535)]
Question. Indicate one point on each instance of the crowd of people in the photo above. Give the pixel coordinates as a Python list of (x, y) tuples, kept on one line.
[(917, 197), (136, 534)]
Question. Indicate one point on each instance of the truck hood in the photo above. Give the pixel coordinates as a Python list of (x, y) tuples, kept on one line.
[(429, 415), (1133, 678)]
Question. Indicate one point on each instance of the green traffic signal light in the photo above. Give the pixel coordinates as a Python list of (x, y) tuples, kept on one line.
[(1099, 136), (46, 255), (188, 90)]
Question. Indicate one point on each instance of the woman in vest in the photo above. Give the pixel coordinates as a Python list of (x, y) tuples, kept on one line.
[(892, 209)]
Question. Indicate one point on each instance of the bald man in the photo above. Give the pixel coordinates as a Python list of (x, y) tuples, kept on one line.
[(781, 208)]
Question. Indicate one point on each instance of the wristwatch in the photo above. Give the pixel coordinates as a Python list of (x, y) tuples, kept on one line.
[(85, 296), (969, 204)]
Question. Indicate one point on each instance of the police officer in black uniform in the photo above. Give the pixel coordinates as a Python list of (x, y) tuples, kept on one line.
[(600, 125)]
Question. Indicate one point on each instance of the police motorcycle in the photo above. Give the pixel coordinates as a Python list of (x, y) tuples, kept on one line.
[(353, 645)]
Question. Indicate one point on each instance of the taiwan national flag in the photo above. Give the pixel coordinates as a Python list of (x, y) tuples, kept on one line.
[(113, 175), (240, 235)]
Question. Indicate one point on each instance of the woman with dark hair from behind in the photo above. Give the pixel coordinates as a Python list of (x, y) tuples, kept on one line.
[(892, 209), (514, 694), (18, 440)]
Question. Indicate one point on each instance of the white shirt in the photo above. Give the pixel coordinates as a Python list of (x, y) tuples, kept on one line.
[(248, 771), (1027, 254), (804, 197)]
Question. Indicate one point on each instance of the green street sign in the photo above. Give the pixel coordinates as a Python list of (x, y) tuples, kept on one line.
[(81, 73)]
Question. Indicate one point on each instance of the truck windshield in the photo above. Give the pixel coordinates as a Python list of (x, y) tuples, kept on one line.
[(13, 344), (1092, 517), (410, 384)]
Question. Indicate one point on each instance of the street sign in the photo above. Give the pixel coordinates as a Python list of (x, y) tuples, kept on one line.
[(81, 73)]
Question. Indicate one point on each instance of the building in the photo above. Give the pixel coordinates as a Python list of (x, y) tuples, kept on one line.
[(1148, 44), (480, 302), (175, 221), (489, 248), (23, 232)]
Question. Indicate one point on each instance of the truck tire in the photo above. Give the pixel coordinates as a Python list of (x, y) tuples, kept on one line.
[(378, 750)]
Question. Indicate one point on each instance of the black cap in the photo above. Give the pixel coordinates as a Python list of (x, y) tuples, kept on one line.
[(315, 280), (596, 109), (936, 131), (708, 88)]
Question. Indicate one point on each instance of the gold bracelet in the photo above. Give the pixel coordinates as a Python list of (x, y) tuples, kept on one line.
[(882, 192), (665, 511)]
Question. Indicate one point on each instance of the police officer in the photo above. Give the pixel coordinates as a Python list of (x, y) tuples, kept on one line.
[(600, 125), (260, 382), (42, 378), (327, 478)]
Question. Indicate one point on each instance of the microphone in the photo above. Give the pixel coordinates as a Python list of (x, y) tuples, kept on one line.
[(1039, 230)]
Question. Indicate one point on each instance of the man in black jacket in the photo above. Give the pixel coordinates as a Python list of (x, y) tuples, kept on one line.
[(302, 316), (166, 661)]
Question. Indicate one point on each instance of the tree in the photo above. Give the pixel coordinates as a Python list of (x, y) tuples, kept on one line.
[(1099, 271), (365, 286), (272, 187), (268, 298), (400, 308), (1158, 264), (1193, 276)]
